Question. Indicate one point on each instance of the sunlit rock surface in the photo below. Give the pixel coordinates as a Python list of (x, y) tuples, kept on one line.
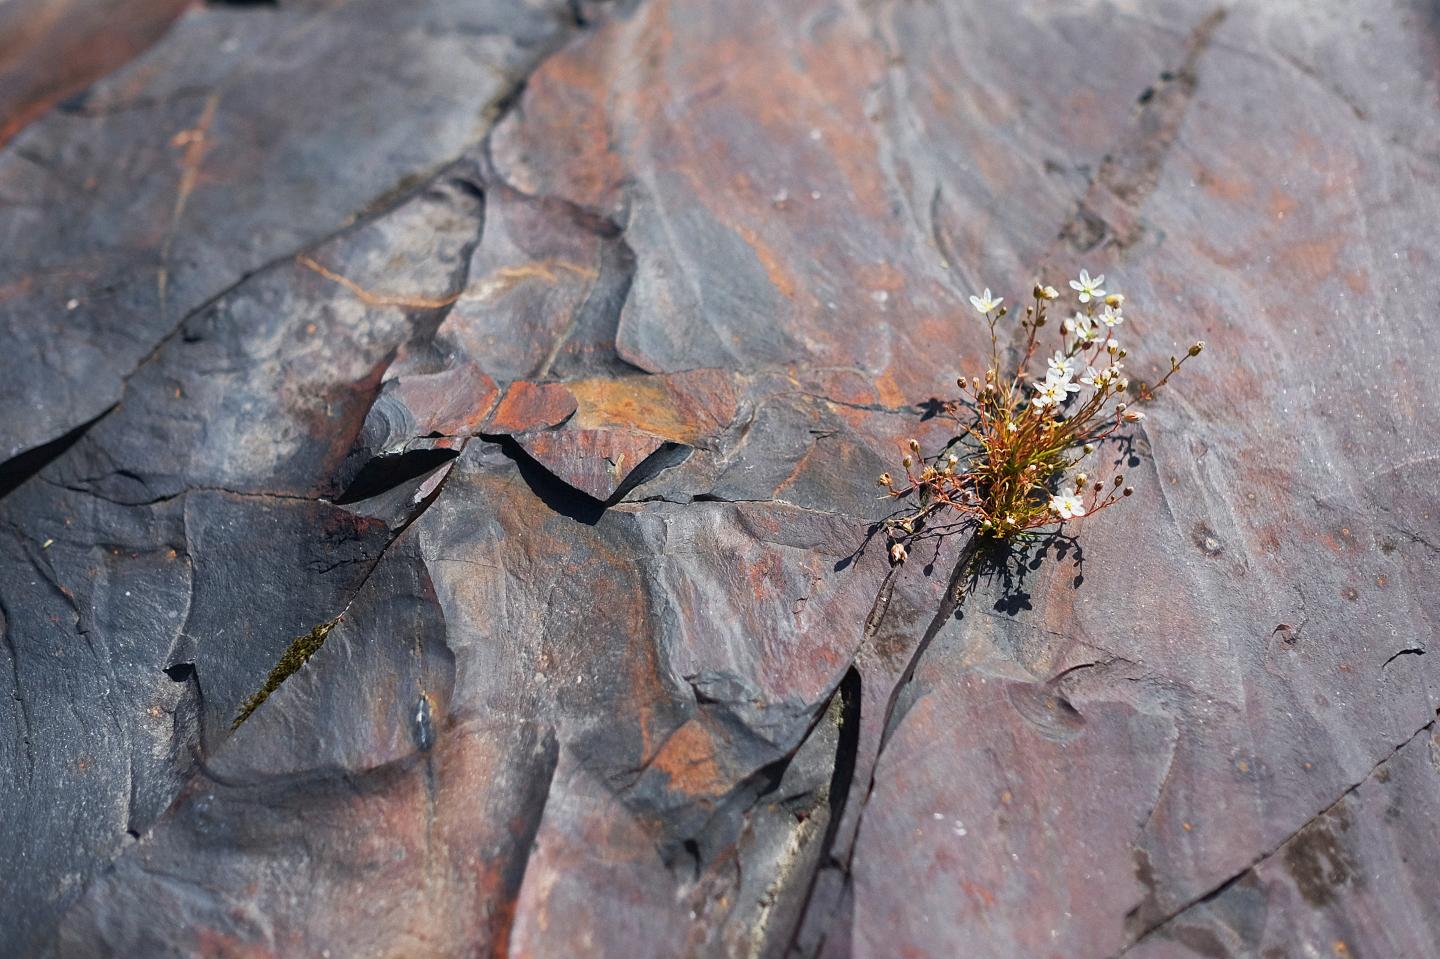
[(546, 354)]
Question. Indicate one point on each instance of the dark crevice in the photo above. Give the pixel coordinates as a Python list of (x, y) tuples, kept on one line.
[(576, 504), (18, 469), (298, 653), (526, 830), (1129, 174), (1219, 888), (303, 647), (386, 472), (1413, 651), (961, 580), (457, 171), (27, 722), (842, 779), (716, 837), (180, 672), (666, 456), (589, 345), (547, 487), (167, 497), (821, 912)]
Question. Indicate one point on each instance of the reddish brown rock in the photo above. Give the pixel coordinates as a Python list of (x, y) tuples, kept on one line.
[(615, 665), (50, 49), (528, 407)]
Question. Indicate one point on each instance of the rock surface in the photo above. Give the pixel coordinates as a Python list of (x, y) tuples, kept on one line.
[(539, 359)]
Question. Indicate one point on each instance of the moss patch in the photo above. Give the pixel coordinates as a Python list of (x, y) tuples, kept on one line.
[(295, 656)]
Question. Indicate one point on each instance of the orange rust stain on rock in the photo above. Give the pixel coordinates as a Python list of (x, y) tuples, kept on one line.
[(213, 942), (682, 408), (880, 277), (370, 298), (767, 577), (52, 48), (1220, 257), (843, 385), (20, 287), (688, 759), (1226, 189), (638, 402), (532, 406), (979, 893), (889, 389), (194, 142), (774, 268), (569, 109), (505, 279), (1358, 281), (1312, 260), (1281, 204)]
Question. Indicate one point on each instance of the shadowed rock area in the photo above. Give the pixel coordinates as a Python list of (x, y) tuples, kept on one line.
[(439, 447)]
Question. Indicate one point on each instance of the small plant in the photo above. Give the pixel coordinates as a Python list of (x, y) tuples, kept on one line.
[(297, 654), (1012, 467)]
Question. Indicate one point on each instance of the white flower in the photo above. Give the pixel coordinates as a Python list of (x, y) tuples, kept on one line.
[(1094, 377), (1054, 391), (1049, 293), (1111, 317), (1067, 504), (1088, 287), (984, 304), (1061, 365), (1080, 326), (1012, 426)]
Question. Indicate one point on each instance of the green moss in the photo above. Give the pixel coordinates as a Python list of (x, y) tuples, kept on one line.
[(295, 656)]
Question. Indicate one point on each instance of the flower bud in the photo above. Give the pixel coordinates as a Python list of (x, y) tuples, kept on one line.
[(1115, 299), (1195, 350), (914, 446), (1129, 490), (1119, 407), (898, 553), (1133, 416), (1089, 448), (1119, 478), (907, 462), (885, 480)]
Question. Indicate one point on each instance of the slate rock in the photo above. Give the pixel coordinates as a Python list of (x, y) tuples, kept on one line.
[(507, 435)]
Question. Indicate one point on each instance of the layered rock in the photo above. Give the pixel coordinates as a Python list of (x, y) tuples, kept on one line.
[(516, 377)]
